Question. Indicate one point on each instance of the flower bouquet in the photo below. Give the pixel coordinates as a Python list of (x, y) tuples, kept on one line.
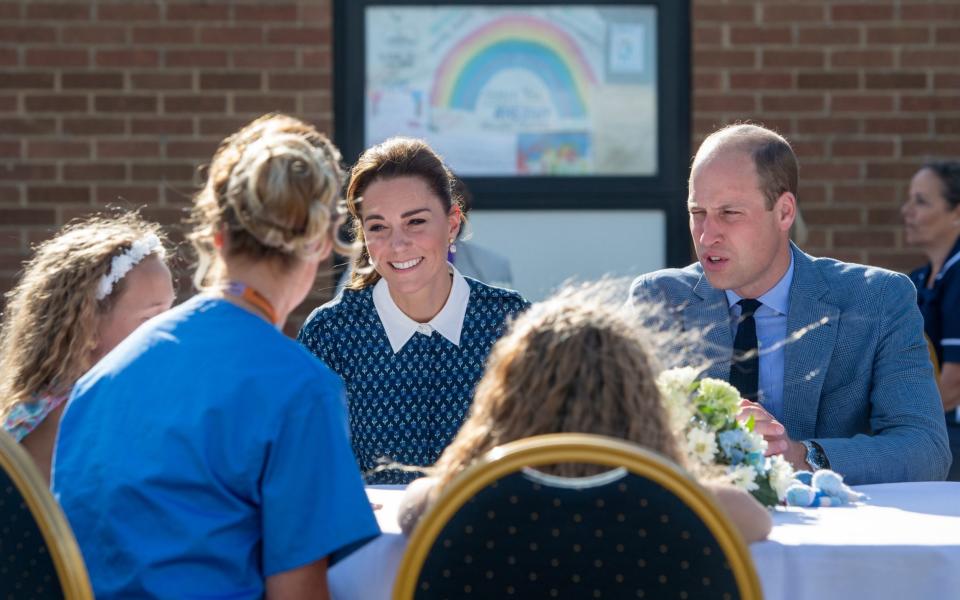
[(703, 414)]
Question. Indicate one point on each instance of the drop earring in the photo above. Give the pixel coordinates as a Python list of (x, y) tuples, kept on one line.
[(453, 247)]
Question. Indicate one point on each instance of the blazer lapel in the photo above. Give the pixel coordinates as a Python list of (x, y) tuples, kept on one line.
[(813, 322), (709, 314)]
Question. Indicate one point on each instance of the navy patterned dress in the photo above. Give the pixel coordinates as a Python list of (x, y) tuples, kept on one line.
[(408, 406)]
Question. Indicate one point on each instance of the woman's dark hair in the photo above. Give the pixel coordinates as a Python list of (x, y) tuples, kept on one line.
[(396, 157), (948, 171)]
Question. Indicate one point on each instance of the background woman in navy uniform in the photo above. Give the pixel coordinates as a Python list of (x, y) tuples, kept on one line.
[(932, 218), (409, 335)]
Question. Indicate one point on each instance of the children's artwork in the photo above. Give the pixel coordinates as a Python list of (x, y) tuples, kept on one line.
[(561, 90)]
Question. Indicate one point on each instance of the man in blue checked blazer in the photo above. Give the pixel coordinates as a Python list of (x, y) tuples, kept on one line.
[(840, 370)]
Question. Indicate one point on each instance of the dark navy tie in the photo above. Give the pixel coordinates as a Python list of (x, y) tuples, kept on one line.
[(745, 368)]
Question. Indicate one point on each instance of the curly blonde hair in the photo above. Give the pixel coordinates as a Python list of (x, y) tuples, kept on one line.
[(275, 187), (579, 362), (52, 315)]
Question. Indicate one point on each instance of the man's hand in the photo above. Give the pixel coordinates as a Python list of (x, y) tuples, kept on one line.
[(775, 434)]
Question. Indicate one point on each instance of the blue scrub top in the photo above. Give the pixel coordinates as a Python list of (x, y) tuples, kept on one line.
[(940, 305), (204, 454)]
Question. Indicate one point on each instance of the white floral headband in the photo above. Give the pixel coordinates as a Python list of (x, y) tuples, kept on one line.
[(121, 264)]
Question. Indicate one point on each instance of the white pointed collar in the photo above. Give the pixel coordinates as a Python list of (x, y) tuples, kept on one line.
[(400, 328)]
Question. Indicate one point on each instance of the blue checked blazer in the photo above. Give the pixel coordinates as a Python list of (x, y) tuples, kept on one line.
[(859, 381)]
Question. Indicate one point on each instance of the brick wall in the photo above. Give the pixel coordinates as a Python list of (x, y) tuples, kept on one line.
[(119, 101), (867, 91)]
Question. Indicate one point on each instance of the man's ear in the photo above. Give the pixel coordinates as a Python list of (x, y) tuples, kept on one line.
[(786, 210)]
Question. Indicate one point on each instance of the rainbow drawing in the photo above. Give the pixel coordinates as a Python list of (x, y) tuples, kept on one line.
[(515, 42)]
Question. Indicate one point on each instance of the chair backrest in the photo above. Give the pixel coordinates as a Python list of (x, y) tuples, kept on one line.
[(39, 557), (933, 357), (643, 529)]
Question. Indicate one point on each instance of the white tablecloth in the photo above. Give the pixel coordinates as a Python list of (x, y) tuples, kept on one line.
[(903, 543)]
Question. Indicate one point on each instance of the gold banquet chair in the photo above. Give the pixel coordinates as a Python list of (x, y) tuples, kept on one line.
[(642, 529), (39, 557)]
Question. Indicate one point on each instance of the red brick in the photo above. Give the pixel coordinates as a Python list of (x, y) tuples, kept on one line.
[(260, 14), (128, 149), (321, 12), (27, 80), (931, 147), (929, 58), (897, 125), (761, 81), (58, 12), (125, 103), (832, 216), (792, 102), (91, 81), (896, 81), (27, 34), (814, 171), (828, 81), (707, 82), (27, 216), (260, 103), (930, 103), (57, 194), (895, 262), (862, 148), (93, 126), (724, 103), (221, 126), (724, 14), (948, 35), (194, 104), (128, 58), (96, 172), (10, 11), (161, 126), (791, 13), (897, 171), (808, 147), (315, 59), (9, 194), (946, 81), (230, 81), (301, 82), (276, 59), (931, 12), (161, 81), (164, 172), (93, 35), (832, 35), (57, 57), (948, 126), (164, 35), (8, 103), (28, 126), (828, 125), (862, 12), (135, 194), (191, 149), (897, 35), (57, 149), (863, 239), (10, 149), (231, 35), (32, 171), (884, 216), (55, 103), (311, 36), (866, 193), (128, 12), (862, 58), (707, 36), (196, 58), (723, 58), (197, 12), (779, 59), (9, 57), (861, 103), (761, 35)]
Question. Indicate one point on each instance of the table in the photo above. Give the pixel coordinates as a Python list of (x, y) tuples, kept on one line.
[(903, 543)]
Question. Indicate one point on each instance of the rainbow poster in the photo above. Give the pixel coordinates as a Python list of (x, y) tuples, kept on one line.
[(517, 90)]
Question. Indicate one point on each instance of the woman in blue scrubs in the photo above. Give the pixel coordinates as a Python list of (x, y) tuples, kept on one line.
[(932, 219)]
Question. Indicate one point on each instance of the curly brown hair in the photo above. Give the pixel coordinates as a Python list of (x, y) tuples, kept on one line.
[(275, 186), (52, 314), (579, 362)]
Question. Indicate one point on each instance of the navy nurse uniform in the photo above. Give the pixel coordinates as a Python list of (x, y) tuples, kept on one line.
[(940, 306), (409, 384)]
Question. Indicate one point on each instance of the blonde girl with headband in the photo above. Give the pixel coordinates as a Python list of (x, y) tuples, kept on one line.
[(410, 334), (212, 457), (579, 362), (81, 293)]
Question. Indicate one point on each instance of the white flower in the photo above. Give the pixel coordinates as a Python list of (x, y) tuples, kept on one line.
[(720, 397), (743, 477), (702, 444), (675, 386), (781, 475)]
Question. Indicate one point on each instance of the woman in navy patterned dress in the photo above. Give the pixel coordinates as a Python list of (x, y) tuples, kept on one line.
[(410, 335)]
